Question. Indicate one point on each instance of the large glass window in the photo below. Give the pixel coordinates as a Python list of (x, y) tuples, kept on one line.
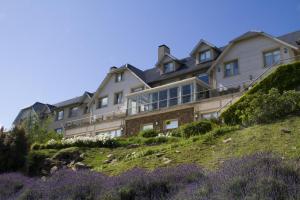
[(154, 97), (231, 69), (163, 98), (74, 112), (118, 98), (103, 102), (169, 67), (173, 96), (205, 56), (271, 58), (204, 77), (186, 91)]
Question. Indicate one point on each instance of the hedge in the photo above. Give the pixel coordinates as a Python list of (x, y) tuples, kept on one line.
[(285, 77)]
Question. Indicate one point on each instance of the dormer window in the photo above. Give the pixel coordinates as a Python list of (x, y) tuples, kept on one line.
[(169, 67), (205, 56), (119, 77)]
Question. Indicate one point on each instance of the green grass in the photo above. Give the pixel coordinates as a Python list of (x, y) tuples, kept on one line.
[(259, 138)]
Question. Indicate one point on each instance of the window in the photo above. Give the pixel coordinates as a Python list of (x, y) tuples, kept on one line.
[(60, 115), (118, 98), (171, 124), (271, 58), (59, 130), (204, 77), (173, 93), (169, 67), (103, 102), (231, 69), (186, 93), (86, 109), (154, 97), (213, 115), (147, 127), (119, 77), (112, 134), (74, 112), (163, 96), (205, 56), (137, 89)]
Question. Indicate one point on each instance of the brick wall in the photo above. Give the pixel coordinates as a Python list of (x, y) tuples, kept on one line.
[(133, 126)]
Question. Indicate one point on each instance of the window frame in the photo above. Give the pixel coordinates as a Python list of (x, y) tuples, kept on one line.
[(147, 124), (57, 115), (116, 102), (99, 106), (71, 114), (272, 52), (166, 64), (233, 74), (165, 124), (117, 75), (204, 53), (59, 132)]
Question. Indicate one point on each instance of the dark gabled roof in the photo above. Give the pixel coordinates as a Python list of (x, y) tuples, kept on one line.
[(291, 38), (138, 72), (246, 35), (75, 100), (188, 66)]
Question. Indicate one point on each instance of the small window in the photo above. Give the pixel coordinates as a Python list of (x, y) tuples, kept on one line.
[(169, 67), (86, 109), (163, 98), (205, 56), (60, 115), (173, 94), (147, 127), (231, 69), (118, 98), (171, 124), (59, 130), (186, 92), (74, 112), (119, 77), (271, 58), (204, 77), (103, 102)]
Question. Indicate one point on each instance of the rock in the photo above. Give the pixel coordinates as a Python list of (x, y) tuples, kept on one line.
[(294, 148), (177, 151), (53, 170), (113, 161), (44, 172), (227, 140), (166, 160), (285, 130), (80, 165), (109, 155), (43, 178), (159, 154), (106, 161), (82, 156)]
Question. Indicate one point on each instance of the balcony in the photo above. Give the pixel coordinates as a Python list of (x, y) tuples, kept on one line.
[(95, 119), (183, 92)]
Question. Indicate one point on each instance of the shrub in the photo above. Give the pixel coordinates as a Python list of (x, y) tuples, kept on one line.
[(68, 154), (286, 77), (148, 133), (196, 128), (174, 132), (155, 140), (13, 150), (222, 130)]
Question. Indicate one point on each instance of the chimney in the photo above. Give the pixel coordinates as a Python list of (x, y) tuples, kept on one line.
[(113, 68), (162, 51)]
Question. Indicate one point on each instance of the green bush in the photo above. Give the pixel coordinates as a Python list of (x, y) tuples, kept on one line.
[(13, 150), (148, 133), (286, 77), (222, 130), (175, 132), (196, 128), (67, 154)]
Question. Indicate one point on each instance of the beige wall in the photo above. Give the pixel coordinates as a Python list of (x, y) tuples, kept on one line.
[(249, 54)]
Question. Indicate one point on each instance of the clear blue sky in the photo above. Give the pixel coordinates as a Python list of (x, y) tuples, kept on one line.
[(53, 50)]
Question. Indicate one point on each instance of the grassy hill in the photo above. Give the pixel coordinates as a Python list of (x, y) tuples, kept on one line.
[(282, 138)]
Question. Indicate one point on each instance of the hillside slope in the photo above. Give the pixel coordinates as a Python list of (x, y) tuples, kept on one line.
[(282, 138)]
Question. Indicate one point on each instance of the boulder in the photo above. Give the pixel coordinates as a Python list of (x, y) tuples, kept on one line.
[(227, 140), (166, 161), (285, 130), (80, 166), (53, 170)]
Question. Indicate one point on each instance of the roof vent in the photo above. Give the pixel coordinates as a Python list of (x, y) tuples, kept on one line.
[(113, 68)]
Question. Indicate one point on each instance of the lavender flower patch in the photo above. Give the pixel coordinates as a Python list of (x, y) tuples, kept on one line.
[(260, 176)]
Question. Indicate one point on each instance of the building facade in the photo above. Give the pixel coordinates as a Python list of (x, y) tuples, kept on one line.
[(175, 91)]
